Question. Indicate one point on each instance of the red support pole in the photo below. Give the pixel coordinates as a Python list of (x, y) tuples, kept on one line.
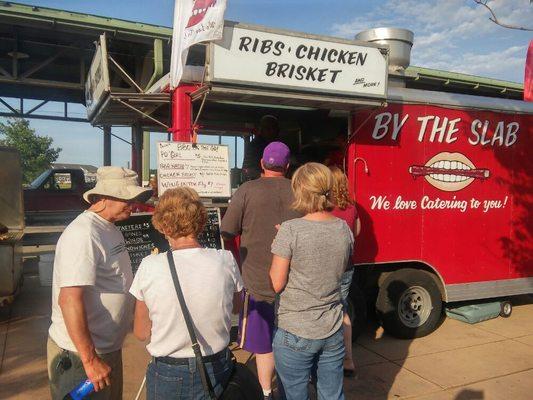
[(181, 128)]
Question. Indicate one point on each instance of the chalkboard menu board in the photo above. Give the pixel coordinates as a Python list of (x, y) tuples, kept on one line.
[(141, 237), (210, 237)]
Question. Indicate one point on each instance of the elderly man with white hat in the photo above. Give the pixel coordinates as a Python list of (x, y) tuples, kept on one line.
[(91, 307)]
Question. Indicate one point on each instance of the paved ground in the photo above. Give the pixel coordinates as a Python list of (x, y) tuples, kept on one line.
[(486, 361)]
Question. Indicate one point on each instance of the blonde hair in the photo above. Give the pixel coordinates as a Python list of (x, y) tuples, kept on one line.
[(340, 195), (311, 184), (179, 213)]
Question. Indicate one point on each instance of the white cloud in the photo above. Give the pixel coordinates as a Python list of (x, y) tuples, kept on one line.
[(484, 64), (456, 35)]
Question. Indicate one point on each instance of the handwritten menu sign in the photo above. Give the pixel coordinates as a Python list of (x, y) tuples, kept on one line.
[(141, 237), (203, 167), (210, 237)]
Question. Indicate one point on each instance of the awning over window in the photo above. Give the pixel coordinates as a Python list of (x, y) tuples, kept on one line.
[(280, 98)]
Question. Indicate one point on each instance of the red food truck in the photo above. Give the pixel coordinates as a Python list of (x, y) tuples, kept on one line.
[(443, 187), (442, 180)]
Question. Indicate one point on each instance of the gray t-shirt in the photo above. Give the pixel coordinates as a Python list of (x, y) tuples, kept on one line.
[(319, 251), (253, 213)]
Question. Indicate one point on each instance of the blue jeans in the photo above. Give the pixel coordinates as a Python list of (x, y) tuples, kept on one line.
[(167, 381), (296, 358)]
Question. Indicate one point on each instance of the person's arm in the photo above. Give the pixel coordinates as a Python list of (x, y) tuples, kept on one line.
[(237, 302), (279, 273), (231, 224), (282, 252), (142, 326), (357, 227), (73, 309)]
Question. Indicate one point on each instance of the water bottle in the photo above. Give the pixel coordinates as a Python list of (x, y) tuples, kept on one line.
[(81, 391)]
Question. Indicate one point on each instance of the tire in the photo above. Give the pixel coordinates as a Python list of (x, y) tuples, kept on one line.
[(357, 310), (506, 309), (409, 303)]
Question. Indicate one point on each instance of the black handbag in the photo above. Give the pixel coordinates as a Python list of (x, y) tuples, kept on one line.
[(243, 384)]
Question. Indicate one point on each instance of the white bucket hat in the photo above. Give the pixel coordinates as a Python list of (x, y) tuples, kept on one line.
[(120, 183)]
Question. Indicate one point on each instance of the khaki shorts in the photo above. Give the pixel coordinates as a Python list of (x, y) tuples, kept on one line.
[(63, 381)]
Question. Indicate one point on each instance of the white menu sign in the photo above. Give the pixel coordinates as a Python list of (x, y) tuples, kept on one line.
[(203, 167), (249, 56)]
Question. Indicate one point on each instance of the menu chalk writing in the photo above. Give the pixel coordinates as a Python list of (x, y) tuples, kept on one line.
[(142, 238), (210, 236), (203, 167)]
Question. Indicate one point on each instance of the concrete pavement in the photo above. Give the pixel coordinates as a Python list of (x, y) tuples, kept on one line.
[(491, 360)]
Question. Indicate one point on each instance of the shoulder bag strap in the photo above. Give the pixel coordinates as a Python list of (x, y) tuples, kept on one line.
[(190, 327)]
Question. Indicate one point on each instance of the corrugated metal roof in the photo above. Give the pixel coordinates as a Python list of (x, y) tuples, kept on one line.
[(73, 19), (448, 77)]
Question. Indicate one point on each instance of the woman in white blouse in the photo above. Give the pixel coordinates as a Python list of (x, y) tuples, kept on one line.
[(210, 281)]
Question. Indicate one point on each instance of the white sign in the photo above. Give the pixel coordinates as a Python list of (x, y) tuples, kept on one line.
[(255, 57), (203, 167), (195, 21), (98, 79)]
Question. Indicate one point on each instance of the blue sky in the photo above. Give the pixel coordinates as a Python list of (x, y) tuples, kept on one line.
[(453, 35)]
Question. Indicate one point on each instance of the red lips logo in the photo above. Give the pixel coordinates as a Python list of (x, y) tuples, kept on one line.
[(198, 11)]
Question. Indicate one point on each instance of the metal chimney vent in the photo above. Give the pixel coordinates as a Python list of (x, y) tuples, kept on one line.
[(399, 40)]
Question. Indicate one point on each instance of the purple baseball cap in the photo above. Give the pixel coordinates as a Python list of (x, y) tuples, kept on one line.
[(276, 154)]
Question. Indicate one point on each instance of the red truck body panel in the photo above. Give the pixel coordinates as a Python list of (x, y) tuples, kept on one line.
[(448, 187), (56, 196), (49, 200)]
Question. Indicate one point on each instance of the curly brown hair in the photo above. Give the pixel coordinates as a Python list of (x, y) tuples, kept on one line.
[(179, 213), (340, 195)]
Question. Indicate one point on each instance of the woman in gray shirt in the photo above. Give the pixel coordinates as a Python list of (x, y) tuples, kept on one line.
[(310, 255)]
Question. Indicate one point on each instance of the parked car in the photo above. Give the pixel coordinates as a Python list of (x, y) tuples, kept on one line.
[(56, 196)]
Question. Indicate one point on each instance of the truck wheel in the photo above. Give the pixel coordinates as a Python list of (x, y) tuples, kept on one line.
[(409, 303), (506, 309), (357, 310)]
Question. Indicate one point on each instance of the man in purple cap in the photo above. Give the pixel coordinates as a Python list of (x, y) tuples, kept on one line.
[(253, 213)]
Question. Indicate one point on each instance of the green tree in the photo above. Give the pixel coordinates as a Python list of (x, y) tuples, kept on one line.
[(36, 153)]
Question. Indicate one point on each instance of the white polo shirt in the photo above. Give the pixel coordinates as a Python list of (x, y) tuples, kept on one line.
[(208, 279), (91, 252)]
